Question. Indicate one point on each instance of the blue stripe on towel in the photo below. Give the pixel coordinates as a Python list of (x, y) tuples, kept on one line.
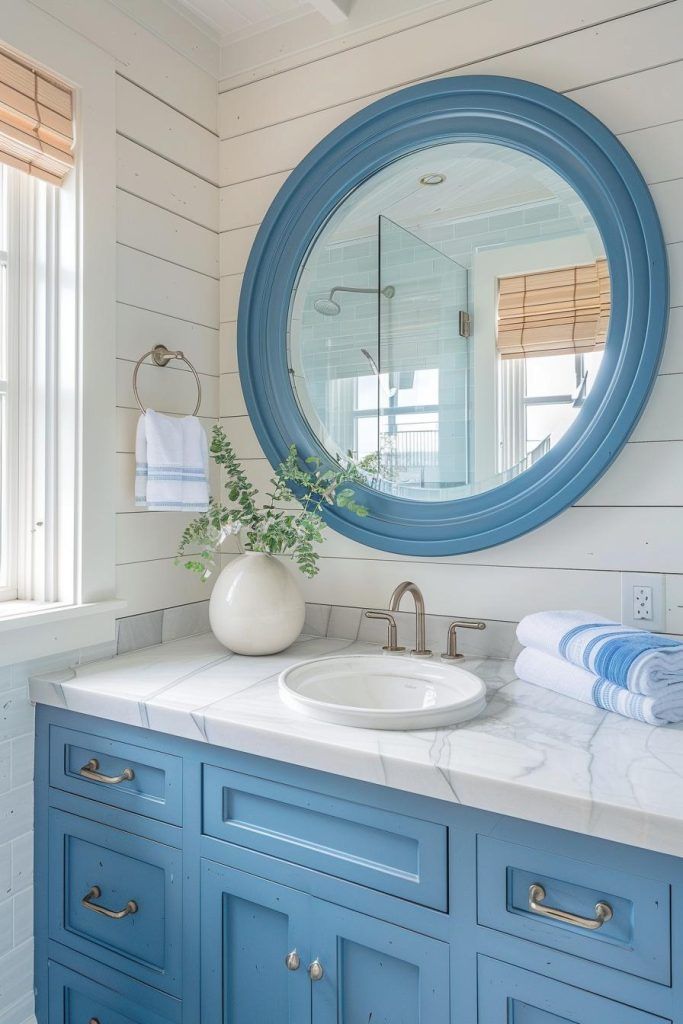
[(618, 653), (576, 631), (610, 697)]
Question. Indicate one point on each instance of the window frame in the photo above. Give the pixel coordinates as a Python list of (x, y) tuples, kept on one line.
[(81, 609)]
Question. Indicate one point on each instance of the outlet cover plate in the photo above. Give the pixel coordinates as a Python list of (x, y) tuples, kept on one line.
[(654, 580)]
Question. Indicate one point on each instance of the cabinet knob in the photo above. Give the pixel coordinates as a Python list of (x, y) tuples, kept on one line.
[(293, 961), (93, 1020), (315, 970)]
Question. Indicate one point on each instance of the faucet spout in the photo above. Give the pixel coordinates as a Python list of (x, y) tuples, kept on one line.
[(420, 649)]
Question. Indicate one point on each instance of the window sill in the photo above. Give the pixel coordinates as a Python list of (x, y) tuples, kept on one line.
[(32, 629)]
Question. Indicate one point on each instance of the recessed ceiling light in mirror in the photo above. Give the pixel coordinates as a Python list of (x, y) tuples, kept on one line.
[(432, 179)]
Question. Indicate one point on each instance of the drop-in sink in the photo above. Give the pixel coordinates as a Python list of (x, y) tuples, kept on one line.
[(376, 692)]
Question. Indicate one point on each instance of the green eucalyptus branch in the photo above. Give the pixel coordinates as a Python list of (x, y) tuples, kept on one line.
[(274, 527)]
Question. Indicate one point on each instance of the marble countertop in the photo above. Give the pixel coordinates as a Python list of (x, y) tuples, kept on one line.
[(531, 754)]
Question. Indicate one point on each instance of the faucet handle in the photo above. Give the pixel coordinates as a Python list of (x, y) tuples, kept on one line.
[(391, 646), (451, 653)]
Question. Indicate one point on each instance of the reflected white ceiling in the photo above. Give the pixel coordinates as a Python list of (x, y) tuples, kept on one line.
[(228, 19)]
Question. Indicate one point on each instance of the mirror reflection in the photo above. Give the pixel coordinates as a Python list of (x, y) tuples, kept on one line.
[(449, 320)]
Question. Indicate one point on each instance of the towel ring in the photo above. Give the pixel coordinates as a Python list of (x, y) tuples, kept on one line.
[(161, 356)]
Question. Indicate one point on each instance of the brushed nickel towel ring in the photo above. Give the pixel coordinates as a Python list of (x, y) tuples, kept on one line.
[(161, 356)]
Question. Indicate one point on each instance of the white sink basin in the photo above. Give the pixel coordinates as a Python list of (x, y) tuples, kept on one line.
[(381, 692)]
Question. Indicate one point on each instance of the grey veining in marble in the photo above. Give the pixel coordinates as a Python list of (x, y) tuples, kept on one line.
[(532, 753)]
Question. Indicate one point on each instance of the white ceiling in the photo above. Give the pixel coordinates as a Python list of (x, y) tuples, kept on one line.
[(230, 19)]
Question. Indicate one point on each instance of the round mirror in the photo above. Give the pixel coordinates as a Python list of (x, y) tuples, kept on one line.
[(449, 320), (463, 292)]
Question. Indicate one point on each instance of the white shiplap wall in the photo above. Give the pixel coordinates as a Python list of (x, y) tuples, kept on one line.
[(621, 59), (167, 254)]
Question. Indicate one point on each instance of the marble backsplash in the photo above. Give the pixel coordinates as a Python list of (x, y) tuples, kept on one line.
[(496, 641)]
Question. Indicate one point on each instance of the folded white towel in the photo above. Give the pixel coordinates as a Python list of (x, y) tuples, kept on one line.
[(632, 658), (171, 464), (562, 677)]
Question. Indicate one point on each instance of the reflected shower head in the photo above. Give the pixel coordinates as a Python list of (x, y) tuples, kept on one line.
[(329, 307)]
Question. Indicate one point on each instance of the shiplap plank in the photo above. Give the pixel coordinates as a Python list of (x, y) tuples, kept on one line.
[(458, 41), (144, 174), (245, 204), (147, 586), (154, 535), (675, 254), (126, 425), (662, 419), (658, 151), (231, 397), (141, 56), (477, 591), (641, 475), (672, 360), (148, 121), (165, 389), (641, 100), (138, 330), (228, 348), (151, 229), (674, 603), (230, 297), (583, 538), (155, 284), (241, 433), (178, 30), (235, 247)]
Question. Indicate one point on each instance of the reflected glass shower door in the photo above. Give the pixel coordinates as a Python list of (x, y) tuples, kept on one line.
[(423, 372)]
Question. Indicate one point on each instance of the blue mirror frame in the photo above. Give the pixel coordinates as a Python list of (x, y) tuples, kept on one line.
[(557, 131)]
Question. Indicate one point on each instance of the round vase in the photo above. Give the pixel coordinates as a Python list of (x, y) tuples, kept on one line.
[(256, 607)]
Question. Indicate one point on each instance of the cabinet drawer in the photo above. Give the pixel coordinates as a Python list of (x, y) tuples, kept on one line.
[(507, 994), (94, 866), (133, 778), (75, 999), (635, 939), (390, 852)]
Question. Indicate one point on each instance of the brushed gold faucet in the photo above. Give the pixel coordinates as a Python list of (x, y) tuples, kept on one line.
[(420, 649)]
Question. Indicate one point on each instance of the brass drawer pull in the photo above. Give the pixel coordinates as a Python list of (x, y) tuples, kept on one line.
[(93, 1020), (293, 961), (91, 770), (603, 911), (315, 970), (131, 906)]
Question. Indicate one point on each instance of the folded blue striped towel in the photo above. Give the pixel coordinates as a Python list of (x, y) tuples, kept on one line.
[(570, 680), (171, 463), (633, 659)]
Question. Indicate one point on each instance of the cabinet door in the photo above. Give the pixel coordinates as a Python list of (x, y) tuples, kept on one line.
[(510, 994), (249, 926), (378, 972)]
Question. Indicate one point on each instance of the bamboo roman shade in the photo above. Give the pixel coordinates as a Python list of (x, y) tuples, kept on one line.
[(36, 121), (555, 312)]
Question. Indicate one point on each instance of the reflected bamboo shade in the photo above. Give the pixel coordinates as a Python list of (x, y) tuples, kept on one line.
[(555, 312), (36, 121)]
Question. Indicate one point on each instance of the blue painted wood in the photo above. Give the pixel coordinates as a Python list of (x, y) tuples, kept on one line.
[(509, 995), (379, 849), (638, 937), (249, 925), (582, 150), (155, 790), (375, 971), (365, 926), (145, 945), (76, 999)]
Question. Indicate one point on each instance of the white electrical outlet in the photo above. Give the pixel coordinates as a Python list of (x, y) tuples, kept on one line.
[(642, 603), (643, 600)]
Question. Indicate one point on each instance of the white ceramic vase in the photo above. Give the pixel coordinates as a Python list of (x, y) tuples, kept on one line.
[(256, 607)]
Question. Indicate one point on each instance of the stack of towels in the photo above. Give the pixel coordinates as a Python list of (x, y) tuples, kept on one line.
[(171, 464), (600, 662)]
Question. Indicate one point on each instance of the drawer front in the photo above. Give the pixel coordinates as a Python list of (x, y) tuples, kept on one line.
[(636, 938), (133, 778), (94, 868), (389, 852), (75, 999), (510, 995)]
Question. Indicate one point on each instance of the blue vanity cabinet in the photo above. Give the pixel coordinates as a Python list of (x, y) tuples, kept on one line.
[(267, 893)]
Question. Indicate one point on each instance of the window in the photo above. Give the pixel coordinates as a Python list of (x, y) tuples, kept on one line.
[(29, 310)]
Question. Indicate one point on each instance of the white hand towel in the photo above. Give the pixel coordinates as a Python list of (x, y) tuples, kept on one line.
[(562, 677), (171, 464), (631, 658)]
